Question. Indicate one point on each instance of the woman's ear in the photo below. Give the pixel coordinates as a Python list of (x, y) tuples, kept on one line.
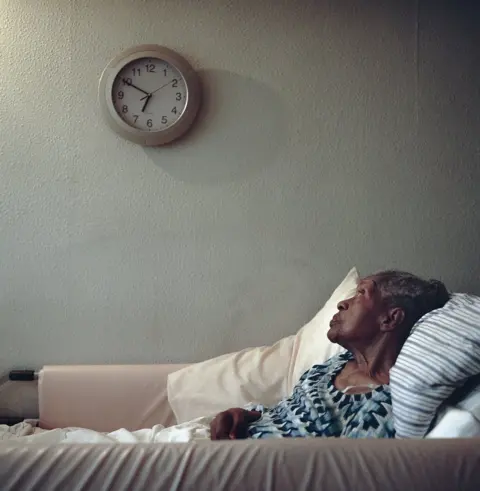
[(393, 318)]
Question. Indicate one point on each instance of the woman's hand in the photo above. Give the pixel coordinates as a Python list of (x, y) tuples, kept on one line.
[(232, 424)]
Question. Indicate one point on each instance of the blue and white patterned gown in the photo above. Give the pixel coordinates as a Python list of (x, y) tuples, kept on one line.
[(318, 409)]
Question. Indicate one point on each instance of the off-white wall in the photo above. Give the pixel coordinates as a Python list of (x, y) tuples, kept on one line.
[(333, 134)]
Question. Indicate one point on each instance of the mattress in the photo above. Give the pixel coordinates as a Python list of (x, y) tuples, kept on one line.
[(297, 464)]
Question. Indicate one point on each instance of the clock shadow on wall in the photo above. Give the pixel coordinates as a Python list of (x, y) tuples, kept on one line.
[(240, 129)]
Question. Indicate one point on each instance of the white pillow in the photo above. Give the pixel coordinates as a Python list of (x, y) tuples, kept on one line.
[(311, 343), (461, 418), (261, 375)]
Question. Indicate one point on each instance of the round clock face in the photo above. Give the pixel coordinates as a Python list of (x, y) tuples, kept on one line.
[(149, 94)]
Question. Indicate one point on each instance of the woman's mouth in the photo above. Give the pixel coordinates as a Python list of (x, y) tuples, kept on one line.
[(335, 320)]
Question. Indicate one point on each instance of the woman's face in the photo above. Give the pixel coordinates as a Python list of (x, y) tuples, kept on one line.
[(359, 318)]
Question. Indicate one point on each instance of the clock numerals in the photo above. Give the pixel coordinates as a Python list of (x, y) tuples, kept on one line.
[(149, 122), (146, 88)]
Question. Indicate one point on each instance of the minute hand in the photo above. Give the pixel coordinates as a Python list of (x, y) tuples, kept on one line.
[(164, 85), (134, 86)]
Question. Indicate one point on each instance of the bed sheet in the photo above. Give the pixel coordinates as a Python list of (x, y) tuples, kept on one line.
[(26, 432)]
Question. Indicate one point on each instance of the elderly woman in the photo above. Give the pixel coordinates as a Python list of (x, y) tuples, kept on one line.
[(348, 395)]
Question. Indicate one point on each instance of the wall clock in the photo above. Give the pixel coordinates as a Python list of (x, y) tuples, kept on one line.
[(149, 95)]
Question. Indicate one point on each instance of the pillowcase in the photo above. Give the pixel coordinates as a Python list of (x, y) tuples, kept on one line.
[(439, 356), (261, 375)]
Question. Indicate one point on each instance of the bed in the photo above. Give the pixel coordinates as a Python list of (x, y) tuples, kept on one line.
[(126, 408), (106, 398)]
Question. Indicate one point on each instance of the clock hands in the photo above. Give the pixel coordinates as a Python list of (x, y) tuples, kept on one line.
[(125, 81), (148, 97), (164, 85)]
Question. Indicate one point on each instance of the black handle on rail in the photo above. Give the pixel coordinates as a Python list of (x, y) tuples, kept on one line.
[(21, 375)]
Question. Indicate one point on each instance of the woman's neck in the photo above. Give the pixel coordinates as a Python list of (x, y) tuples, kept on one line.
[(376, 360)]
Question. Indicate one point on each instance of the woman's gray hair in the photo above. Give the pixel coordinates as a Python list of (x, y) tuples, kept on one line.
[(414, 295)]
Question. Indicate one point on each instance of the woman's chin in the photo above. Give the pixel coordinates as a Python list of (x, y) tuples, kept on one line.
[(332, 335)]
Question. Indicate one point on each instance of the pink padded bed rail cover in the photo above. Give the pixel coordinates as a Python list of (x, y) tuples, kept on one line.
[(105, 397)]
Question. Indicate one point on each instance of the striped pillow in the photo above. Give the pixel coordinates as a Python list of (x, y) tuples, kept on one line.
[(440, 354)]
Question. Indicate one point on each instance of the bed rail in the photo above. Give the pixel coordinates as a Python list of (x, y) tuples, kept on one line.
[(23, 375), (16, 403)]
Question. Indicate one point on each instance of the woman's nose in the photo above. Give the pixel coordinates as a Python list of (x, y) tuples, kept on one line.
[(343, 305)]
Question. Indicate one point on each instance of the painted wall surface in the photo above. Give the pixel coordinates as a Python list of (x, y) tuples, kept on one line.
[(333, 134)]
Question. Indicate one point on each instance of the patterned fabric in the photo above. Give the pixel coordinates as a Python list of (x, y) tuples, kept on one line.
[(439, 356), (318, 409)]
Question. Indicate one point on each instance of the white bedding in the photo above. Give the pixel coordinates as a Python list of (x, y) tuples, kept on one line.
[(26, 432), (455, 423)]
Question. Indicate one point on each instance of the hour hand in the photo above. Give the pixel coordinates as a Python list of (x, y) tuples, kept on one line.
[(126, 82), (148, 97)]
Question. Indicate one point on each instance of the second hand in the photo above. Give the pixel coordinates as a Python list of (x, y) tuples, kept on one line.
[(164, 85)]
